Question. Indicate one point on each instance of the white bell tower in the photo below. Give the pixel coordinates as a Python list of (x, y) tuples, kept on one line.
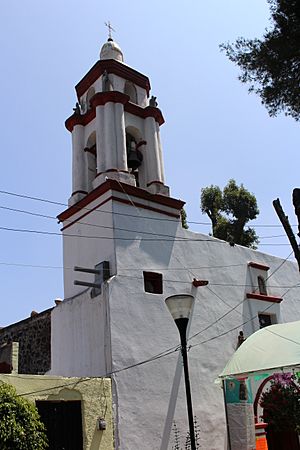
[(117, 165), (115, 128)]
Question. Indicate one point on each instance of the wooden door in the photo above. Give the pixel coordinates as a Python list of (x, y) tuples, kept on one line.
[(63, 423)]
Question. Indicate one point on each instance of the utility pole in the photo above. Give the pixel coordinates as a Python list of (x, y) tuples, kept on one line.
[(287, 227)]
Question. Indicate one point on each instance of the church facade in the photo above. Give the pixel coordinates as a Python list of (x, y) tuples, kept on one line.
[(125, 251)]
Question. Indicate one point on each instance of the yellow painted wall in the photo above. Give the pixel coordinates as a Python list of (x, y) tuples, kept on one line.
[(94, 393)]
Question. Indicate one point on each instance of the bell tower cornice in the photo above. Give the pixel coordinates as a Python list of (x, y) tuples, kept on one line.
[(101, 98), (115, 67)]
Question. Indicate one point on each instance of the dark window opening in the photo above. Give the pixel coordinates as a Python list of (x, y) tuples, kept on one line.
[(264, 320), (63, 424), (134, 156), (153, 282), (262, 285)]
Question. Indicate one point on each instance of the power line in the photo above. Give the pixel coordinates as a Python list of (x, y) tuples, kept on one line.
[(28, 197), (53, 233), (240, 303), (31, 213), (210, 284), (173, 349), (159, 269), (131, 366), (156, 357), (152, 269)]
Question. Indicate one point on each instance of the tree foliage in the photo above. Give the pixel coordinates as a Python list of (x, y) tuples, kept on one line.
[(229, 211), (20, 424), (281, 403), (183, 217), (272, 64)]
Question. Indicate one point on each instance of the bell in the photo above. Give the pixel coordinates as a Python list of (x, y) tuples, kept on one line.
[(134, 159)]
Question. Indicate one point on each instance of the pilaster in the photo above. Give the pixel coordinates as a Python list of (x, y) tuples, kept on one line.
[(79, 188)]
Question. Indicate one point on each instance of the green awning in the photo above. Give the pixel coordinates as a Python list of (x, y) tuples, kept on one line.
[(273, 347)]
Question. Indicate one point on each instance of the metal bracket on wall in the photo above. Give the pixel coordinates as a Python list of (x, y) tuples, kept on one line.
[(101, 272)]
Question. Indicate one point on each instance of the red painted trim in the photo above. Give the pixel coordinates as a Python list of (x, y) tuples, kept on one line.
[(111, 170), (115, 67), (79, 192), (155, 182), (198, 283), (101, 98), (258, 394), (260, 434), (124, 188), (258, 266), (86, 213), (149, 111), (266, 298), (127, 202), (260, 425), (80, 119), (150, 208)]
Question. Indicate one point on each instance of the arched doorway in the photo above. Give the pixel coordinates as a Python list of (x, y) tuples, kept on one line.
[(283, 439)]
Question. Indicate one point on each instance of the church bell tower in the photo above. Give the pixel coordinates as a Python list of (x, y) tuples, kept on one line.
[(115, 128), (116, 161)]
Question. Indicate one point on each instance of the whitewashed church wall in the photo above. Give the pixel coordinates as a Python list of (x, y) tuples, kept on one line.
[(142, 318), (93, 245), (117, 82), (79, 337)]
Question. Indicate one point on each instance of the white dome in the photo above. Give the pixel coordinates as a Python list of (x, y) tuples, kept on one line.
[(111, 50)]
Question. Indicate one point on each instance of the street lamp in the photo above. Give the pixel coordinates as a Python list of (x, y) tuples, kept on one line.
[(180, 307)]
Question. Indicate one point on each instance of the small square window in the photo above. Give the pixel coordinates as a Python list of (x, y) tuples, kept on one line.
[(153, 282), (265, 320)]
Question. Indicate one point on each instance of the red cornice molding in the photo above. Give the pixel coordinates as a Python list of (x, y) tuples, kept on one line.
[(126, 202), (111, 66), (123, 188), (149, 111), (155, 182), (260, 425), (101, 98), (80, 119), (265, 298), (258, 266)]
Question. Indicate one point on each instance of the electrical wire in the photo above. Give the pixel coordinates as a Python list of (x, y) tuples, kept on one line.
[(159, 355), (53, 233), (240, 303), (31, 213), (176, 348), (28, 197), (211, 284), (131, 366)]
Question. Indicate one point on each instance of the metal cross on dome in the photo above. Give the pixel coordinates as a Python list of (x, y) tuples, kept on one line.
[(110, 29)]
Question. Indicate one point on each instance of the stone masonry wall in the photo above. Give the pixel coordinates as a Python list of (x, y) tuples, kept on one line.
[(34, 337)]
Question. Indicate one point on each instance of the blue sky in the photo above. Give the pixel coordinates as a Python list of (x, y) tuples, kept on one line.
[(214, 129)]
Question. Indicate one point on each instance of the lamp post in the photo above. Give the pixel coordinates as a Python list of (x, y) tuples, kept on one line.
[(180, 307)]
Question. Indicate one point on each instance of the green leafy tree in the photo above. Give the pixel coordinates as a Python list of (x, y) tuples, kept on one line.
[(20, 424), (229, 212), (272, 64), (184, 219)]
